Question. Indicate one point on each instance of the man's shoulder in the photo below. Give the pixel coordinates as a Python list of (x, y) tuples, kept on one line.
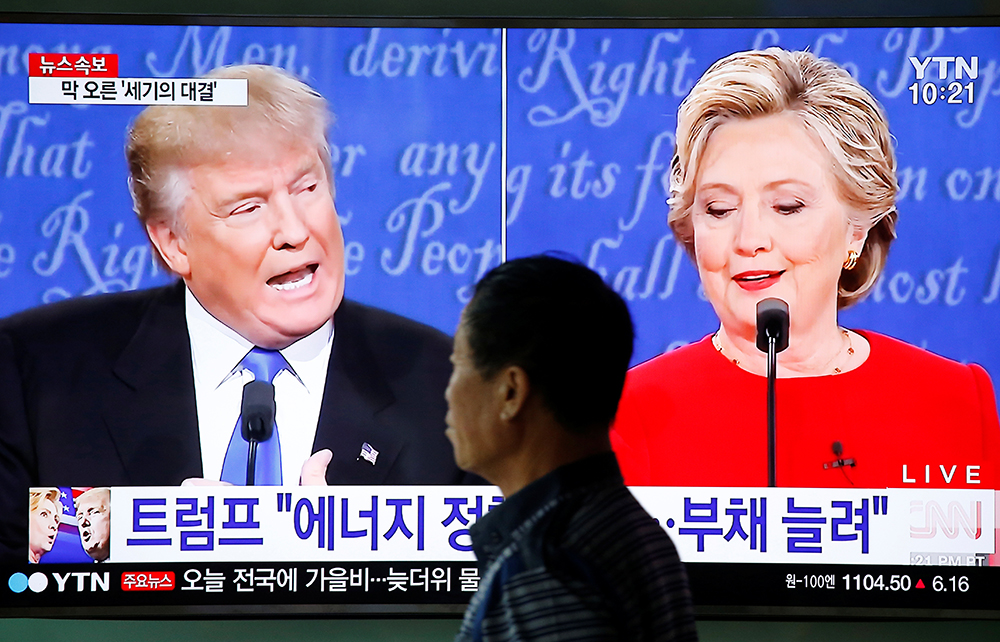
[(614, 568), (88, 318), (611, 517), (602, 528), (608, 533), (629, 555), (386, 333)]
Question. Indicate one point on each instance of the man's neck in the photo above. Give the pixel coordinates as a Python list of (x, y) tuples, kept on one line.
[(548, 449)]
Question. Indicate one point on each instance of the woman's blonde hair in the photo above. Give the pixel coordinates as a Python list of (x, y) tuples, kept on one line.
[(833, 106), (38, 495)]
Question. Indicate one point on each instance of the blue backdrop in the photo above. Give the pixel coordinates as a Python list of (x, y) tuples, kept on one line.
[(417, 152)]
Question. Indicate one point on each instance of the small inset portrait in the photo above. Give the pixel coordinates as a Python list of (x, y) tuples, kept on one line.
[(93, 519), (45, 513)]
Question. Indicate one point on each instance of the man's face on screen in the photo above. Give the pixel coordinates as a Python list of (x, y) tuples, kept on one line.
[(259, 244), (93, 519), (768, 222)]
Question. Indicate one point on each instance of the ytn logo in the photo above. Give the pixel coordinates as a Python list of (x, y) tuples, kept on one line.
[(962, 66), (38, 582), (19, 582)]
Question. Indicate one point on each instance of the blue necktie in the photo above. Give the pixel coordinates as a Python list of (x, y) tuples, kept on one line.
[(265, 366)]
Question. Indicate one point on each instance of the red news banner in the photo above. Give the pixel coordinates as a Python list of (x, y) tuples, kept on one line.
[(58, 65), (92, 79)]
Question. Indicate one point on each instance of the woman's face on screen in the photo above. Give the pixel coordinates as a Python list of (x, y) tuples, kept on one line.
[(44, 527), (768, 222)]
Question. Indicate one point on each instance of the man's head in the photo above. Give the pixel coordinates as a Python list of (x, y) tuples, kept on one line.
[(539, 327), (93, 519), (238, 201)]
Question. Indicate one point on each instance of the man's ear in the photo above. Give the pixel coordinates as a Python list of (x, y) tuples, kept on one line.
[(513, 389), (171, 247)]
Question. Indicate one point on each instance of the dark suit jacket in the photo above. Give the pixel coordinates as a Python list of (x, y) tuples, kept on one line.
[(99, 391)]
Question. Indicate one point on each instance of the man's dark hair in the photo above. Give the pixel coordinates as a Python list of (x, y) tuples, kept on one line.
[(559, 321)]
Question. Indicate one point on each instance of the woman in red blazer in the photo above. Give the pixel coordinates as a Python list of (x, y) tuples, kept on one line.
[(783, 185)]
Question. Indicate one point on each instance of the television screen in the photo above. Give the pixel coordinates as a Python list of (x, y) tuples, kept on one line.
[(456, 145)]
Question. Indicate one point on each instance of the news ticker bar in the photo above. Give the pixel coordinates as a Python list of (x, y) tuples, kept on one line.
[(431, 523), (248, 583), (92, 79), (322, 588)]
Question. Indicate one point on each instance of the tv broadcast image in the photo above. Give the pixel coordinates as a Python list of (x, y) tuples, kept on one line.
[(800, 216)]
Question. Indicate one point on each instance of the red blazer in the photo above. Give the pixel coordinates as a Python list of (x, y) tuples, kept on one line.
[(909, 418)]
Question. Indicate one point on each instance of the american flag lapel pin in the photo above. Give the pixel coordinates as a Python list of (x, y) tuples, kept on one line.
[(368, 453)]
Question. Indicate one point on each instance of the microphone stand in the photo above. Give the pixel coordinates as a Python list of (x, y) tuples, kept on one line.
[(251, 462), (772, 367), (772, 338)]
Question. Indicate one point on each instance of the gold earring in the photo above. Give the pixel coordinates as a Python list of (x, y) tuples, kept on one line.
[(852, 260)]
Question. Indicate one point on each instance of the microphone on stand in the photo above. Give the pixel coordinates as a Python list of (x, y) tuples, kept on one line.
[(257, 420), (772, 338)]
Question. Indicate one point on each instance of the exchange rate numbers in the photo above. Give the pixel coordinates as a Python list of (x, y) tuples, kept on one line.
[(955, 584)]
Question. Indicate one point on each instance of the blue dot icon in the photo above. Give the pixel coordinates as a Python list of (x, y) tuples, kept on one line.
[(670, 523), (18, 582)]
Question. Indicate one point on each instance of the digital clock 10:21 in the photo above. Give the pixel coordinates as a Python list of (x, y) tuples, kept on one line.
[(955, 93)]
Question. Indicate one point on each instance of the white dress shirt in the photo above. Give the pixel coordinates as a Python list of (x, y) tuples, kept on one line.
[(216, 351)]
